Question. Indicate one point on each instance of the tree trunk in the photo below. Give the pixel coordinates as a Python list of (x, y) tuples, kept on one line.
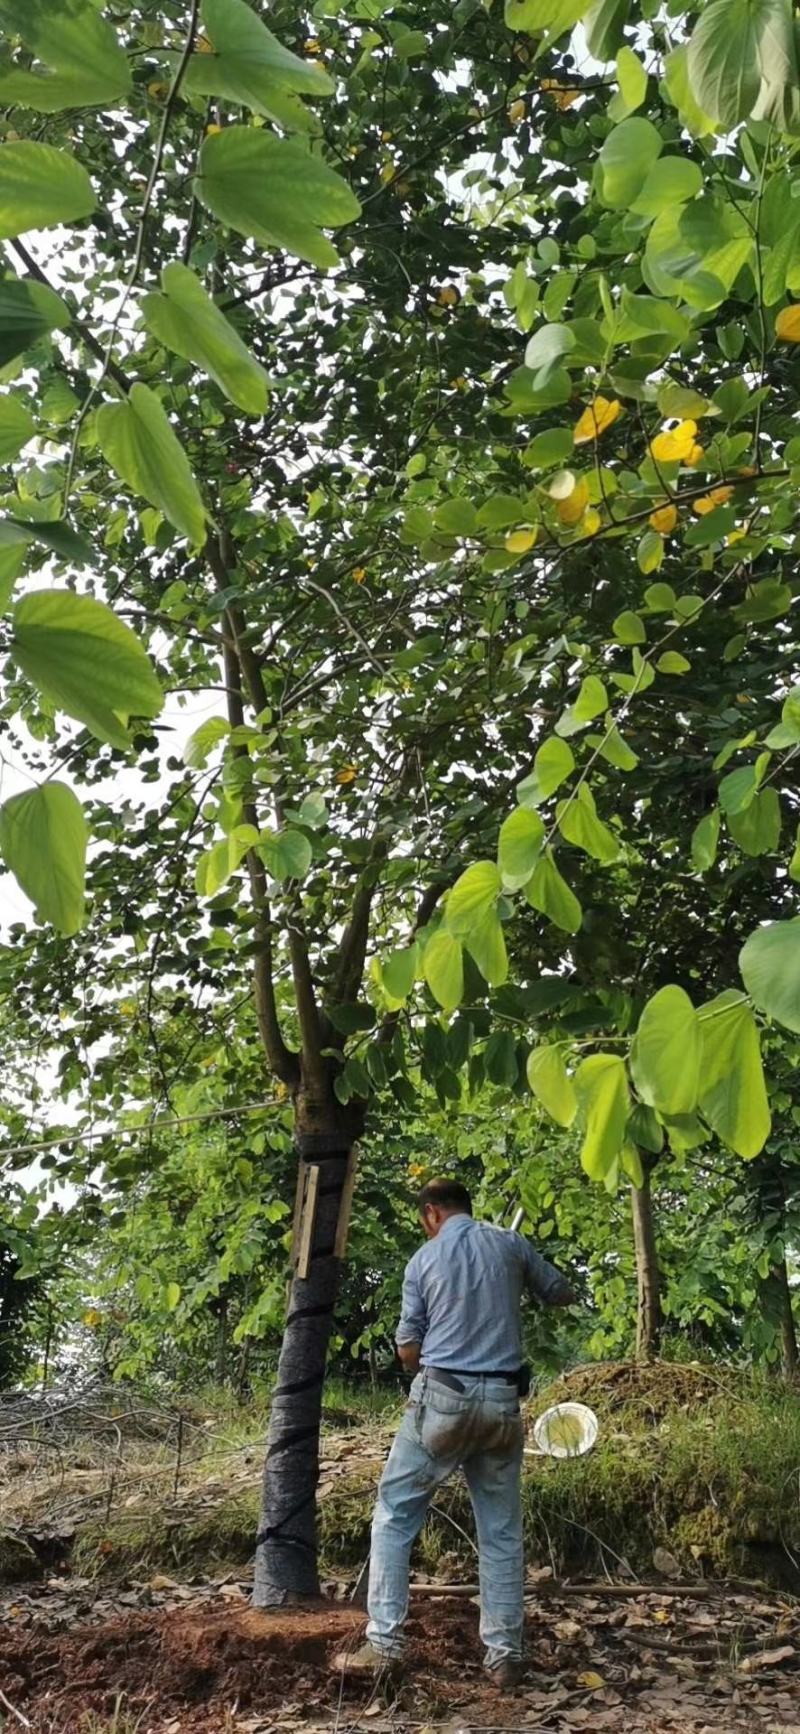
[(221, 1356), (286, 1545), (790, 1358), (648, 1277)]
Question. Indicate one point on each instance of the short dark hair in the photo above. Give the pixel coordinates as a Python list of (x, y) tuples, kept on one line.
[(446, 1195)]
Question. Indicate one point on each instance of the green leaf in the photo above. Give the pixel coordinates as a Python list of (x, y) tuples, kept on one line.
[(250, 66), (17, 426), (274, 190), (185, 319), (723, 60), (56, 535), (487, 947), (680, 92), (41, 188), (578, 823), (398, 972), (625, 160), (457, 517), (545, 349), (286, 854), (733, 1097), (665, 1053), (591, 700), (548, 1080), (552, 447), (613, 747), (548, 892), (601, 1087), (604, 24), (87, 662), (738, 789), (172, 1295), (649, 555), (28, 311), (202, 743), (757, 829), (660, 598), (632, 1164), (628, 628), (770, 966), (554, 762), (645, 1129), (443, 969), (705, 840), (59, 402), (43, 842), (794, 864), (671, 181), (473, 896), (87, 66), (671, 662), (632, 79), (682, 403), (215, 867), (139, 442), (538, 16), (519, 847)]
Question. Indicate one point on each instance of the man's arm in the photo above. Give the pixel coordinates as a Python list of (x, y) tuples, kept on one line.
[(543, 1281), (413, 1324)]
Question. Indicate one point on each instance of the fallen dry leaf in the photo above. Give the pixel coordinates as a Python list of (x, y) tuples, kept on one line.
[(767, 1659)]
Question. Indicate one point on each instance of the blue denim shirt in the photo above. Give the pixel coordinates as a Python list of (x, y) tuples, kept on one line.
[(462, 1293)]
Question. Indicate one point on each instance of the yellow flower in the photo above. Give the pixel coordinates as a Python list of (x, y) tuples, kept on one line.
[(592, 522), (694, 456), (212, 129), (787, 324), (347, 774), (448, 295), (664, 519), (311, 46), (707, 502), (92, 1318), (156, 90), (358, 574), (386, 137), (571, 509), (459, 383), (388, 172), (596, 419), (736, 535), (520, 541), (674, 444), (516, 112)]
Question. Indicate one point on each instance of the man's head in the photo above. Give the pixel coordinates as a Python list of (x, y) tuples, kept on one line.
[(440, 1199)]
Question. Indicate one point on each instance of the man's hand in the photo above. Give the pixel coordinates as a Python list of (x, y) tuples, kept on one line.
[(408, 1356), (563, 1295)]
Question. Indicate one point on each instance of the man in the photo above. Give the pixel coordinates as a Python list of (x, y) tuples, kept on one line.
[(459, 1337)]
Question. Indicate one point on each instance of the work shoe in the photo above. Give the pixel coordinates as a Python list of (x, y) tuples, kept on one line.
[(365, 1663), (507, 1674)]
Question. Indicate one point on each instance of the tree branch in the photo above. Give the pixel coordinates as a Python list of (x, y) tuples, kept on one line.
[(92, 343), (353, 945), (282, 1061)]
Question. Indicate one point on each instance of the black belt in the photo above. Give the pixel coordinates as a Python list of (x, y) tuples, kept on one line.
[(451, 1376)]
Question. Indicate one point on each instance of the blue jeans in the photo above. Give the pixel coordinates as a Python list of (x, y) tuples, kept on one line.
[(479, 1430)]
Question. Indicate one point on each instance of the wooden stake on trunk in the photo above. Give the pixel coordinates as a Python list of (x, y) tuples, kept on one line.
[(346, 1206), (308, 1221)]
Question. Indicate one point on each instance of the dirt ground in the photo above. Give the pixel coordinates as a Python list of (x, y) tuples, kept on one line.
[(198, 1660)]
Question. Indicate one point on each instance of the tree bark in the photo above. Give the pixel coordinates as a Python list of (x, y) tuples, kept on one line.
[(790, 1357), (648, 1276), (286, 1546)]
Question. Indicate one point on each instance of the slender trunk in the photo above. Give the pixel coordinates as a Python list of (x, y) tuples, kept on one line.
[(221, 1357), (790, 1358), (648, 1277), (286, 1545)]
